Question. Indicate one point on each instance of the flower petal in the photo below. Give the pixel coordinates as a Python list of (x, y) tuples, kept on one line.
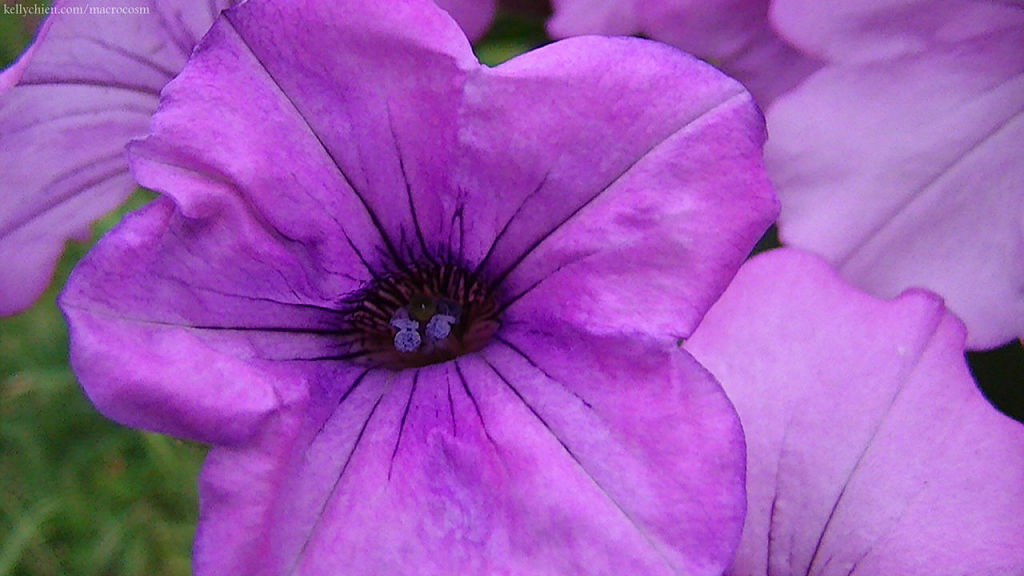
[(67, 109), (607, 17), (600, 205), (202, 368), (473, 16), (352, 147), (866, 30), (557, 453), (734, 35), (869, 448), (907, 173)]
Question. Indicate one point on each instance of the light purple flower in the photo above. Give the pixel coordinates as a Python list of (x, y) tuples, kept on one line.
[(870, 449), (341, 179), (901, 161), (735, 35), (68, 107)]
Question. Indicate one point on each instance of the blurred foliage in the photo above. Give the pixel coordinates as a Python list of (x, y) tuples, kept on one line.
[(14, 34), (510, 35), (79, 494)]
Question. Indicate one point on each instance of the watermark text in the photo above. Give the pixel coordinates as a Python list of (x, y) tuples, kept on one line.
[(86, 10)]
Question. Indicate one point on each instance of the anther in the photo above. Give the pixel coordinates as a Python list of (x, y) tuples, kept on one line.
[(439, 327), (407, 341)]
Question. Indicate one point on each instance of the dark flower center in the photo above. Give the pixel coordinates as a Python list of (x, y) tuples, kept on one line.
[(420, 314)]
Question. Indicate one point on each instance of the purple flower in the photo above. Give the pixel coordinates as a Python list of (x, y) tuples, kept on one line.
[(68, 107), (901, 161), (735, 35), (869, 448), (425, 310), (71, 103)]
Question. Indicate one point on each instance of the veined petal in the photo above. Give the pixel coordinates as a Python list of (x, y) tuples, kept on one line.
[(908, 173), (214, 364), (593, 207), (870, 449), (67, 109), (530, 458), (350, 158)]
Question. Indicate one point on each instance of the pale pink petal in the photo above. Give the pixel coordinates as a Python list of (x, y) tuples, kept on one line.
[(866, 30), (909, 173), (870, 449), (68, 107), (607, 17)]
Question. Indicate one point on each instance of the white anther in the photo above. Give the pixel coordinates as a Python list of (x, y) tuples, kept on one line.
[(439, 327), (407, 341)]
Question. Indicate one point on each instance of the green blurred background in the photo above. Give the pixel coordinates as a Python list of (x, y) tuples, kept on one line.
[(80, 495)]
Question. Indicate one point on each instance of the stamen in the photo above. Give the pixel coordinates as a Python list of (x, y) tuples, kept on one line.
[(420, 315), (401, 321), (439, 327), (407, 341)]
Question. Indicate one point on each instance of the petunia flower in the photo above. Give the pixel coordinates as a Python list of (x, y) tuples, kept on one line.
[(900, 161), (735, 35), (70, 105), (870, 449), (426, 311)]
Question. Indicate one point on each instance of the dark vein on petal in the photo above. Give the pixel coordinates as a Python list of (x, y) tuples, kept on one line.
[(579, 463), (341, 400), (511, 219), (359, 254), (300, 305), (401, 426), (50, 82), (331, 358), (537, 366), (298, 111), (72, 194), (134, 57), (479, 414), (179, 34), (408, 185), (146, 322), (856, 563), (548, 234), (451, 407), (771, 528), (92, 117), (337, 482), (512, 300), (460, 213)]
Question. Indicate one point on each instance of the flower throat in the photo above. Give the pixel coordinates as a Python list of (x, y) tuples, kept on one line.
[(420, 314)]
